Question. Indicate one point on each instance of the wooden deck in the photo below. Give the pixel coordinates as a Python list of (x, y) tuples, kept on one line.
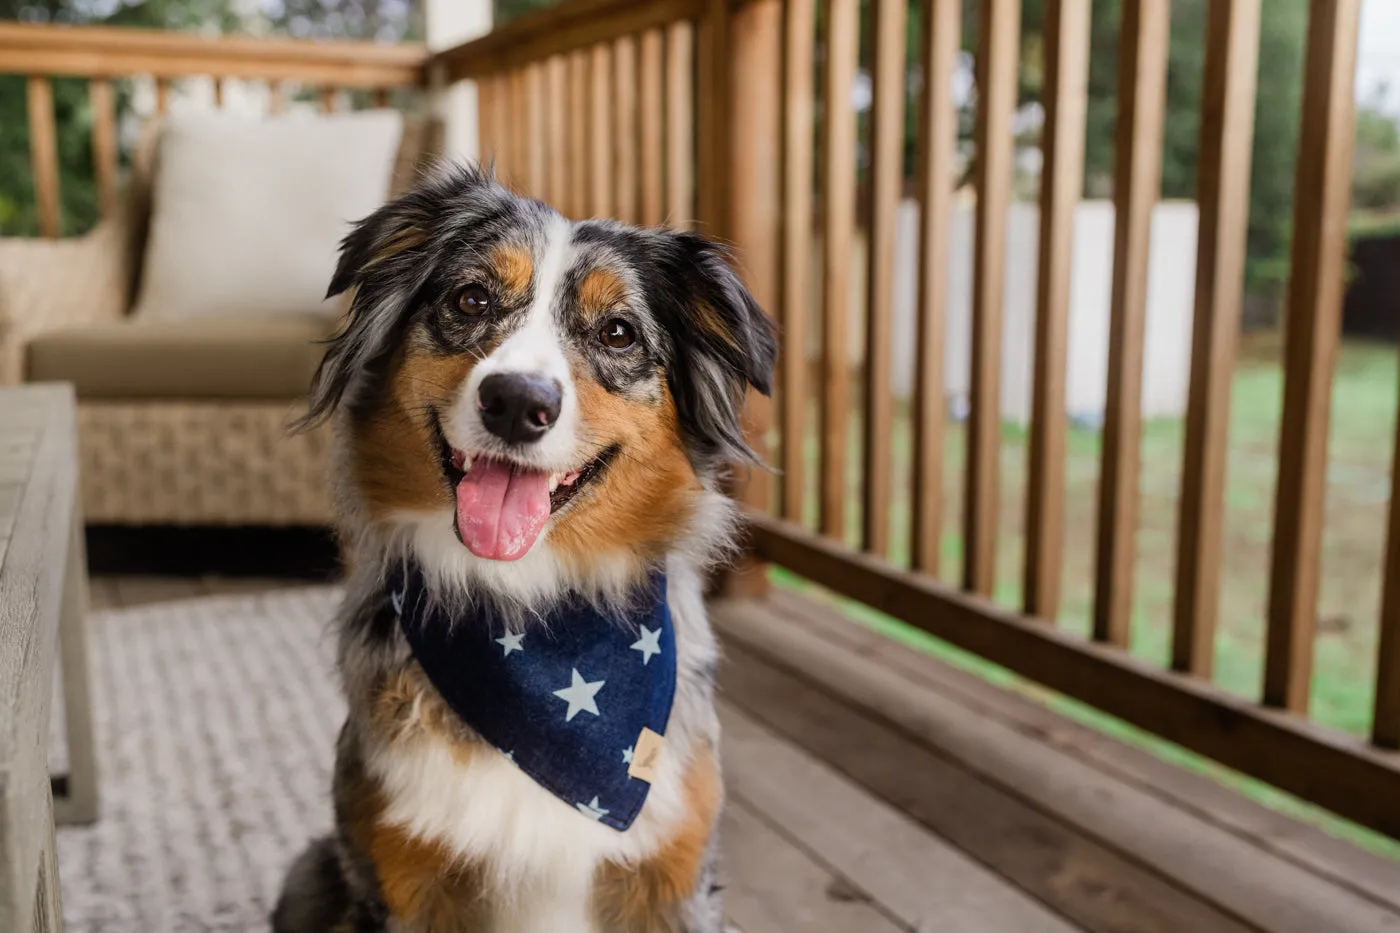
[(874, 789)]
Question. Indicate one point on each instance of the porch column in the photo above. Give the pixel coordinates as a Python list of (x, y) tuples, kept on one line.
[(449, 23)]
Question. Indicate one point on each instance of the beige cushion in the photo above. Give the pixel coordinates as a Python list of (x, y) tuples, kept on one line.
[(247, 214), (240, 357)]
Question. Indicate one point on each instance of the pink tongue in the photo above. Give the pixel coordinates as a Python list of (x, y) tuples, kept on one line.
[(501, 509)]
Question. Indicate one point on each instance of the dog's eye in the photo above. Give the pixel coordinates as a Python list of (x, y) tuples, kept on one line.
[(474, 300), (617, 334)]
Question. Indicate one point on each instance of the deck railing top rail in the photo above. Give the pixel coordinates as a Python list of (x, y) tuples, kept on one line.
[(111, 52)]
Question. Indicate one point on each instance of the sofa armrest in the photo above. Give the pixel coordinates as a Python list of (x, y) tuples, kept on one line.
[(48, 285)]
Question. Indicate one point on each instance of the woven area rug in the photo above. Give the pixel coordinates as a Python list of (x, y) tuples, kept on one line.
[(216, 719)]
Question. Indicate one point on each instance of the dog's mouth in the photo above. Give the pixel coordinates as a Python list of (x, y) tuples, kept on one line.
[(502, 505)]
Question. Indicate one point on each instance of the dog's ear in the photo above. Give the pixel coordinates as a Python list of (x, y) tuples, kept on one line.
[(386, 259), (723, 343)]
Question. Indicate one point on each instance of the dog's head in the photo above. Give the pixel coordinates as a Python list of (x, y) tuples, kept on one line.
[(534, 384)]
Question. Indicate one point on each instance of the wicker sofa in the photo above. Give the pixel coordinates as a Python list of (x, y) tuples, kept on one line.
[(181, 423)]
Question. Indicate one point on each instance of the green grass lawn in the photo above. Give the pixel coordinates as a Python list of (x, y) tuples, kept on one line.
[(1363, 423)]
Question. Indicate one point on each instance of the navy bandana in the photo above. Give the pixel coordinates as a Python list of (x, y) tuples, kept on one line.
[(578, 701)]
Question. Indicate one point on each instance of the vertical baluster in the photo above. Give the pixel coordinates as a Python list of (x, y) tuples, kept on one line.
[(163, 97), (752, 172), (329, 100), (886, 177), (490, 133), (650, 118), (276, 98), (559, 155), (536, 119), (838, 186), (1066, 103), (938, 130), (517, 125), (625, 142), (1142, 72), (601, 132), (43, 156), (1222, 183), (1385, 726), (799, 94), (680, 124), (998, 52), (381, 97), (219, 93), (1320, 202), (578, 135), (104, 142)]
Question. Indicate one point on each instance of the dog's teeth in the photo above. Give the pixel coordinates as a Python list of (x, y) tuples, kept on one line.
[(553, 482)]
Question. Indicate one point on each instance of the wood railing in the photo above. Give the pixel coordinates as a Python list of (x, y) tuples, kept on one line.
[(554, 91), (703, 112), (103, 55)]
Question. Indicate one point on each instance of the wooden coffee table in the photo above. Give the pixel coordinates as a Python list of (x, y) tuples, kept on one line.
[(43, 598)]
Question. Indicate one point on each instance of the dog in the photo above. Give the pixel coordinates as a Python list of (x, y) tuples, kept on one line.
[(533, 420)]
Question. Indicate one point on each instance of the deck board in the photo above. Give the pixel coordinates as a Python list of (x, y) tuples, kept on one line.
[(922, 881), (1275, 834), (831, 694)]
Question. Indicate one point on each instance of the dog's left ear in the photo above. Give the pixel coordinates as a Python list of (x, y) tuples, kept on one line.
[(723, 343)]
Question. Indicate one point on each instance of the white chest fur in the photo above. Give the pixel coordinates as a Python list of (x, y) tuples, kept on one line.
[(539, 853)]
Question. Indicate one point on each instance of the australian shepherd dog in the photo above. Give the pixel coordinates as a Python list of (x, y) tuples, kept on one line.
[(533, 418)]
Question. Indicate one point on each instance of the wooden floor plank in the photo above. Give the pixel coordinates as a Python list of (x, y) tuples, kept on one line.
[(920, 879), (1275, 834), (1092, 885), (771, 886), (1216, 866)]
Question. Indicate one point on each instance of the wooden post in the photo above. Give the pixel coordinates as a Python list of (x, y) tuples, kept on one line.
[(886, 180), (1066, 104), (1321, 197), (1142, 94), (998, 51), (752, 175), (43, 157), (938, 138)]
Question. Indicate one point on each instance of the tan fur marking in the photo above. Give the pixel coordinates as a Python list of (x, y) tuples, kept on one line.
[(709, 320), (407, 238), (600, 291), (645, 898), (423, 886), (396, 459), (645, 499), (514, 267)]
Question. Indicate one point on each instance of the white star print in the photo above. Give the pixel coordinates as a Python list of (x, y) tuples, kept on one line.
[(396, 599), (511, 642), (579, 695), (649, 644), (627, 754), (510, 756), (591, 809)]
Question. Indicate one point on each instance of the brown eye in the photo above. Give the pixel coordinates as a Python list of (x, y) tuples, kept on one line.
[(618, 334), (474, 300)]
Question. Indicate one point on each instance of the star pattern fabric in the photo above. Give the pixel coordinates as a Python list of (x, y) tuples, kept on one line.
[(566, 701)]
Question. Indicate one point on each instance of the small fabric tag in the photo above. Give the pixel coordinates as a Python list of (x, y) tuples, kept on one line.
[(646, 755)]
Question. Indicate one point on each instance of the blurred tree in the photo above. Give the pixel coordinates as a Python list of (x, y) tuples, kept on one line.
[(1377, 162)]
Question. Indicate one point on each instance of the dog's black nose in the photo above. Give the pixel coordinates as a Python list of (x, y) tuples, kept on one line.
[(519, 408)]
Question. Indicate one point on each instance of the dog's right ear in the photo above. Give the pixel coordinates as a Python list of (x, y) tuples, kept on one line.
[(386, 259)]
